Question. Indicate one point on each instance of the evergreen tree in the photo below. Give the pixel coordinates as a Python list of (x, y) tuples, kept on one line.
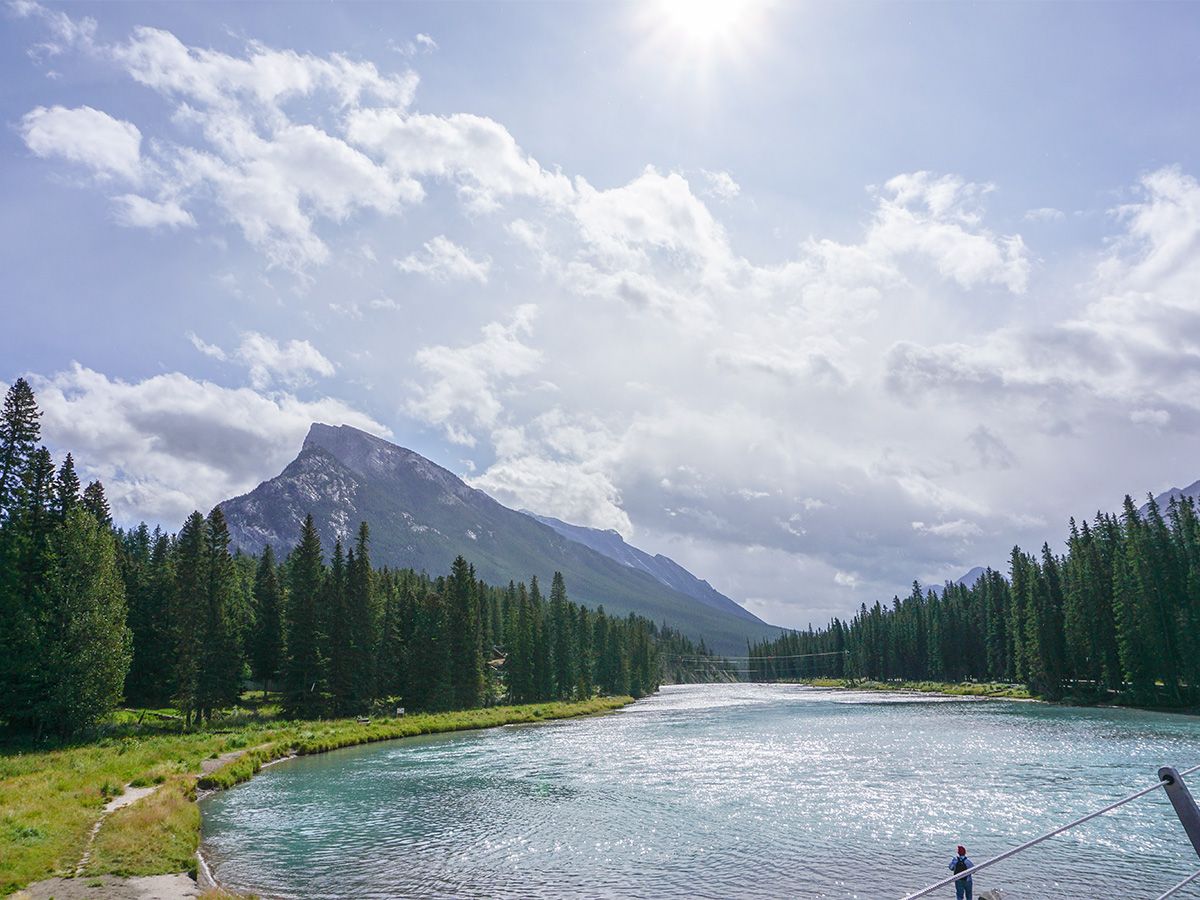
[(338, 651), (86, 650), (66, 488), (188, 614), (266, 650), (20, 432), (96, 503), (565, 650), (361, 617), (220, 673), (150, 584), (430, 687), (466, 662), (304, 667)]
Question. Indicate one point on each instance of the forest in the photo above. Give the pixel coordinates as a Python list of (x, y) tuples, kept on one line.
[(1116, 618), (96, 617)]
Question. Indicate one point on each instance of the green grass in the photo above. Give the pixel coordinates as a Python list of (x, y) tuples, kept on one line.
[(50, 799), (157, 834), (954, 689)]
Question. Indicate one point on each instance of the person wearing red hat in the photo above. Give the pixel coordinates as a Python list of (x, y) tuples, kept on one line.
[(958, 864)]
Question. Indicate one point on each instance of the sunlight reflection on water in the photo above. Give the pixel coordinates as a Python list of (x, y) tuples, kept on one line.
[(719, 791)]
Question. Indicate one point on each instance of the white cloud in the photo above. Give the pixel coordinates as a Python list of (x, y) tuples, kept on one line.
[(134, 211), (444, 260), (956, 528), (264, 76), (938, 218), (86, 136), (565, 489), (476, 154), (846, 579), (721, 185), (169, 444), (462, 393), (291, 364)]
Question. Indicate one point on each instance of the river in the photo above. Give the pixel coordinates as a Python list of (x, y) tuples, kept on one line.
[(719, 791)]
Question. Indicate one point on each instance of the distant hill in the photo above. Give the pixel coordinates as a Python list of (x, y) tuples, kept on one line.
[(661, 568), (972, 576), (1164, 499), (422, 516), (967, 580)]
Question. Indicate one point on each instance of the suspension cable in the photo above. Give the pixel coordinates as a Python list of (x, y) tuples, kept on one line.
[(1037, 840), (1172, 891)]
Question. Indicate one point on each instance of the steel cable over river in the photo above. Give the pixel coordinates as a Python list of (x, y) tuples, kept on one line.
[(734, 790)]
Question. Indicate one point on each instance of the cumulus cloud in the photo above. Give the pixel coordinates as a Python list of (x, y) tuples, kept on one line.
[(443, 260), (107, 146), (291, 364), (169, 444), (939, 218), (134, 211), (721, 185), (956, 528), (461, 393)]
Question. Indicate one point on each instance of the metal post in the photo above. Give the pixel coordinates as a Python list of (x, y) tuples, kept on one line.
[(1185, 805)]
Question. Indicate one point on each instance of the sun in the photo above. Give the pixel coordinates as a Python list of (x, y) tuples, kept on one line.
[(700, 35), (703, 21)]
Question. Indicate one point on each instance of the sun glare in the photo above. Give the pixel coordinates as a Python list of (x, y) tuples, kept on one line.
[(699, 34), (702, 21)]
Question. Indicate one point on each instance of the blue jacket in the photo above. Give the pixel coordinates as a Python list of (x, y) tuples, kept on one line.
[(966, 859)]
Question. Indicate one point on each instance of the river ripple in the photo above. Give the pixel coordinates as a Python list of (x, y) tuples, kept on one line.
[(718, 791)]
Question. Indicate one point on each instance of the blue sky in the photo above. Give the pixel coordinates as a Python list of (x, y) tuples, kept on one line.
[(815, 298)]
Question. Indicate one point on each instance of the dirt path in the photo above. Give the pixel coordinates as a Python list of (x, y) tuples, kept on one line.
[(110, 887), (130, 795)]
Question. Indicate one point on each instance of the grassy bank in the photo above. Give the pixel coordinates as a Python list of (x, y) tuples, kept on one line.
[(953, 689), (51, 799)]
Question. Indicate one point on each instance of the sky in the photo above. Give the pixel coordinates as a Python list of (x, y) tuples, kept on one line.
[(814, 298)]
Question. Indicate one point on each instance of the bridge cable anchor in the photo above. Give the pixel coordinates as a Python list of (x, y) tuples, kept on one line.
[(1184, 803)]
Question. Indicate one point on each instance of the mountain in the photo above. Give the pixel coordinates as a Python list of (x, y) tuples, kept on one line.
[(661, 568), (422, 516), (972, 576), (1164, 499)]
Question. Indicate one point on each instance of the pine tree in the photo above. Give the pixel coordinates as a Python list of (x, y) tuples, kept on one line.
[(86, 650), (338, 650), (66, 488), (188, 614), (304, 669), (220, 673), (564, 649), (430, 687), (361, 618), (466, 663), (96, 503), (266, 645), (150, 585), (20, 432)]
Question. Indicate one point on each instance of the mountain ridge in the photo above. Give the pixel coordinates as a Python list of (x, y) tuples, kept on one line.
[(422, 515), (663, 568)]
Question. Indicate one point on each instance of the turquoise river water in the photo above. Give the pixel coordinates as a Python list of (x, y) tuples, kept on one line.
[(732, 791)]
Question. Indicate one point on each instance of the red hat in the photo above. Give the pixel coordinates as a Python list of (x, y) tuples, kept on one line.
[(962, 851)]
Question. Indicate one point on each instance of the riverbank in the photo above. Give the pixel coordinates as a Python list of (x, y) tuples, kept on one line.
[(60, 813), (991, 691), (995, 691)]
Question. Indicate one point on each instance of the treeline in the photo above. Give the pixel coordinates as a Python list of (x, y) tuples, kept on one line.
[(1116, 616), (339, 638), (91, 616)]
